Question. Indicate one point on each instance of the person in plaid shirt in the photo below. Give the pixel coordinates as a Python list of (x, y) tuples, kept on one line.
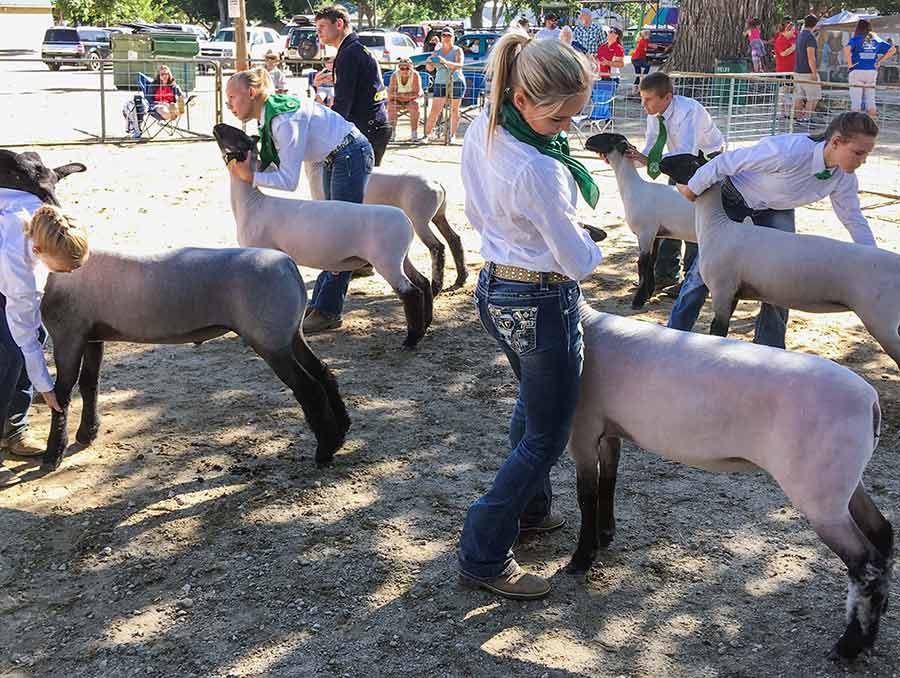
[(587, 36)]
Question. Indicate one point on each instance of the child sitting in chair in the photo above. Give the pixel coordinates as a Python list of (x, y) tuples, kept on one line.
[(164, 95)]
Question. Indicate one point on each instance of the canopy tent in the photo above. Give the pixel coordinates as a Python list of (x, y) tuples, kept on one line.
[(664, 16), (846, 21)]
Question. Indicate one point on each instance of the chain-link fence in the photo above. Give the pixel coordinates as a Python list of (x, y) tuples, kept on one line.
[(78, 104)]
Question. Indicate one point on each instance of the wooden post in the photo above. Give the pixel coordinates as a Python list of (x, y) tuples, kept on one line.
[(240, 37)]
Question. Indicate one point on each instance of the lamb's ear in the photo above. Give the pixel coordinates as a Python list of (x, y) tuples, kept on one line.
[(63, 171)]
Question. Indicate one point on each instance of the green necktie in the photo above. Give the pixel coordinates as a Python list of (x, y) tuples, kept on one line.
[(657, 150), (824, 174)]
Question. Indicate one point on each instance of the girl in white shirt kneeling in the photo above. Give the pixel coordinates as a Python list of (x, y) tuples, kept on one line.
[(522, 187), (36, 240)]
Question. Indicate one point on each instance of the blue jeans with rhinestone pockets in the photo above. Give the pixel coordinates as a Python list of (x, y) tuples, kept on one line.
[(538, 327)]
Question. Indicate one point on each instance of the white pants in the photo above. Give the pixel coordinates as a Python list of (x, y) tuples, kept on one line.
[(862, 90)]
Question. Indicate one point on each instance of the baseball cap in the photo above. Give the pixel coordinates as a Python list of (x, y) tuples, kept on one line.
[(446, 31)]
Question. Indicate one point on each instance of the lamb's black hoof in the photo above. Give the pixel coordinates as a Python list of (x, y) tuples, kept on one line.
[(850, 644), (578, 565), (85, 436), (52, 458), (412, 340), (436, 289), (605, 537), (326, 449)]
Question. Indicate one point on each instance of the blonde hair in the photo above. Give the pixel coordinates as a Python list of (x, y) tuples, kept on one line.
[(57, 234), (257, 78), (548, 72)]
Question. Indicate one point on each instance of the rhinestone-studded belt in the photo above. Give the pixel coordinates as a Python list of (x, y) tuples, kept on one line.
[(524, 275)]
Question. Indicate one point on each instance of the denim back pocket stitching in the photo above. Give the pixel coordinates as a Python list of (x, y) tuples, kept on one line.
[(517, 326)]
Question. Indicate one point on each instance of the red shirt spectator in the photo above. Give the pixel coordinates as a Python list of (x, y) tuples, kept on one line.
[(785, 64), (164, 94), (640, 50), (604, 51)]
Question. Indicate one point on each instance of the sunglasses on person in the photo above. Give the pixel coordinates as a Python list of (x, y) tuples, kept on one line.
[(404, 68)]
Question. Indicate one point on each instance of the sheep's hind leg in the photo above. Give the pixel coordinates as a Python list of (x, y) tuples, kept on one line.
[(67, 355), (456, 248), (436, 248), (868, 572), (320, 372), (313, 399), (87, 384), (876, 528)]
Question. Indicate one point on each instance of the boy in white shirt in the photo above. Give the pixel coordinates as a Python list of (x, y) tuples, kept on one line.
[(675, 125)]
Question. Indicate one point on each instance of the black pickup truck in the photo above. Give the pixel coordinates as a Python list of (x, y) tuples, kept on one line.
[(87, 44)]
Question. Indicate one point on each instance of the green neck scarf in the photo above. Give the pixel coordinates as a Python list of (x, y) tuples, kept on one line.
[(276, 104), (557, 147)]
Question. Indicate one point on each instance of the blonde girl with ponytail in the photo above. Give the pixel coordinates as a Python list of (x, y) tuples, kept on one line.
[(35, 240), (293, 131), (522, 187)]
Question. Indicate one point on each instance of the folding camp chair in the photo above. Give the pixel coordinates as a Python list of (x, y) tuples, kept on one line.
[(150, 123), (598, 114), (473, 99)]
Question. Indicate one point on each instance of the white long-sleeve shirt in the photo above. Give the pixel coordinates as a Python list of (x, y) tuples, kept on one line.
[(779, 173), (689, 128), (22, 281), (522, 203), (309, 133)]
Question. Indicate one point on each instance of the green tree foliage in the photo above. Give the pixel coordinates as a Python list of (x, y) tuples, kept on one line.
[(113, 11)]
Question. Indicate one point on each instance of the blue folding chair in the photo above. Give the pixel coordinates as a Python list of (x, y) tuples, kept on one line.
[(151, 123), (474, 96), (386, 77), (599, 113)]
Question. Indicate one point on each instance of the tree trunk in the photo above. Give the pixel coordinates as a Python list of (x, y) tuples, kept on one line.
[(713, 29), (476, 17)]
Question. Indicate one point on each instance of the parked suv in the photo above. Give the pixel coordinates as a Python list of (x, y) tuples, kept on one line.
[(85, 43), (259, 41), (388, 45)]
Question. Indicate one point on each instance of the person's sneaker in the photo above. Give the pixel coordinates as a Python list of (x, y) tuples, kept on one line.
[(673, 290), (317, 322), (23, 445), (414, 138), (364, 271), (518, 585), (550, 522)]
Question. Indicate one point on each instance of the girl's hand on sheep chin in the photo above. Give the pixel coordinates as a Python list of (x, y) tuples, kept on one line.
[(241, 169), (686, 192), (50, 398), (636, 156)]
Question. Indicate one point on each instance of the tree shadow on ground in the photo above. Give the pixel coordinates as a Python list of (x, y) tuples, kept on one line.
[(294, 571)]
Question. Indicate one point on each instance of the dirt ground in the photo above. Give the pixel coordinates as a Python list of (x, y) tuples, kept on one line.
[(197, 538)]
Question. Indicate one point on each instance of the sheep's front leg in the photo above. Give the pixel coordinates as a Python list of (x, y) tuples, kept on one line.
[(609, 453), (723, 309), (646, 275), (68, 362), (87, 384), (587, 481)]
